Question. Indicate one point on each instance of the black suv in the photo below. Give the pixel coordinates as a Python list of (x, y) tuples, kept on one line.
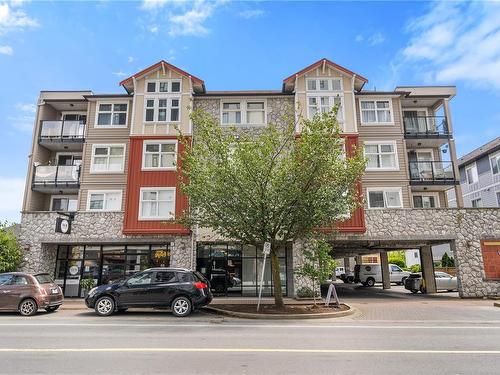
[(177, 288)]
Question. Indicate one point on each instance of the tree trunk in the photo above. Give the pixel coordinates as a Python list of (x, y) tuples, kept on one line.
[(275, 263)]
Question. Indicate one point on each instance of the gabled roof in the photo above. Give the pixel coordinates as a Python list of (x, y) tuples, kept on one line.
[(488, 148), (331, 63), (159, 64)]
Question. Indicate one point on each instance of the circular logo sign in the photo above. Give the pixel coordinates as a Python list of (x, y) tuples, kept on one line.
[(73, 270), (64, 226), (368, 268)]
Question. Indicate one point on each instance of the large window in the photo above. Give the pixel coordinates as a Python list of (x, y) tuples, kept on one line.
[(495, 163), (106, 200), (159, 154), (324, 84), (163, 86), (162, 109), (376, 111), (425, 201), (252, 112), (384, 198), (472, 176), (107, 158), (381, 155), (157, 204), (67, 203), (322, 104), (112, 114)]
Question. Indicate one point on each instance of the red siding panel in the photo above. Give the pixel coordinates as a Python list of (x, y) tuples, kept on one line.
[(136, 179)]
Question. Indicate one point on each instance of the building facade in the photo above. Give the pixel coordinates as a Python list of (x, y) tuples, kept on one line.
[(479, 173), (109, 163)]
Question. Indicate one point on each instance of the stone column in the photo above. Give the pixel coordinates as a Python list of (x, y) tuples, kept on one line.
[(359, 259), (453, 154), (428, 269), (384, 266), (347, 264)]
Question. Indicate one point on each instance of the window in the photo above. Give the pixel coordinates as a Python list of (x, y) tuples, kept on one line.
[(323, 104), (165, 277), (385, 198), (324, 84), (243, 112), (498, 199), (162, 110), (381, 155), (424, 201), (104, 201), (157, 203), (472, 176), (395, 268), (477, 203), (231, 113), (376, 111), (495, 163), (19, 280), (67, 204), (112, 115), (141, 279), (159, 155), (256, 113), (163, 86), (107, 158)]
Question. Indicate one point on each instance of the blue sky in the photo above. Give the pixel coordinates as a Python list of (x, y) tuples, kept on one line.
[(242, 45)]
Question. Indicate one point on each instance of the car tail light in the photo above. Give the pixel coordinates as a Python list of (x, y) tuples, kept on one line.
[(200, 285)]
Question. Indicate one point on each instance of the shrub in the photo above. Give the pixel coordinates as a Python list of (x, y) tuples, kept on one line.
[(10, 251), (416, 268), (305, 292), (398, 258)]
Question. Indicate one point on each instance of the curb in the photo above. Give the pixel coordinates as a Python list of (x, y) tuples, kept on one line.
[(335, 314), (496, 304)]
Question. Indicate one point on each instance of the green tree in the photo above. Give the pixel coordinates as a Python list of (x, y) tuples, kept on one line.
[(447, 261), (318, 264), (10, 251), (398, 258), (273, 186)]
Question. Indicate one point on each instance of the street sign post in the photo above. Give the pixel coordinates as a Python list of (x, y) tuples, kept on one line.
[(266, 251)]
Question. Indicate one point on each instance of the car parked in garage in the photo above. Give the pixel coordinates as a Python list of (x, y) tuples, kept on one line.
[(180, 289), (28, 293), (444, 281)]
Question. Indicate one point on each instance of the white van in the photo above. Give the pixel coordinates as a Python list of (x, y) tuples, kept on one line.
[(369, 274)]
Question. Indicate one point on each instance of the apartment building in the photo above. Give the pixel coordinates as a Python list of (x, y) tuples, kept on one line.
[(479, 172), (108, 163)]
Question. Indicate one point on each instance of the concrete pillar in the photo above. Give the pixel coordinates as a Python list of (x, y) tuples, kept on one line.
[(359, 259), (384, 266), (453, 154), (347, 264), (428, 269)]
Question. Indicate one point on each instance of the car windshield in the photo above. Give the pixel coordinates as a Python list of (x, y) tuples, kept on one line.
[(44, 278), (4, 279)]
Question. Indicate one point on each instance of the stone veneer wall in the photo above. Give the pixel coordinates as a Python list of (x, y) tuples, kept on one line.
[(37, 236), (464, 228)]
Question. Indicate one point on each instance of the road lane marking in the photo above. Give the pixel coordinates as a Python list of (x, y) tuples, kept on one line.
[(243, 350)]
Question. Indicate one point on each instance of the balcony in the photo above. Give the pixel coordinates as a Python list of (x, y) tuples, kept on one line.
[(62, 135), (432, 173), (427, 130), (56, 178)]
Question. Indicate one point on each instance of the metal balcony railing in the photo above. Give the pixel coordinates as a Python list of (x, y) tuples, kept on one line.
[(435, 172), (426, 126), (62, 131), (56, 176)]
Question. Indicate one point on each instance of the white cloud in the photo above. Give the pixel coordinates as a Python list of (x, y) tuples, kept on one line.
[(14, 19), (377, 38), (359, 38), (457, 41), (180, 17), (120, 74), (26, 107), (130, 59), (251, 13), (11, 191), (22, 123), (6, 50)]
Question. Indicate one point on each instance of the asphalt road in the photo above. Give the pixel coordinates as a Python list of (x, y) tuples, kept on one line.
[(154, 342)]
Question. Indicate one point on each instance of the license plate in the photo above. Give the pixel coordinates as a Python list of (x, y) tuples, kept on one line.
[(55, 290)]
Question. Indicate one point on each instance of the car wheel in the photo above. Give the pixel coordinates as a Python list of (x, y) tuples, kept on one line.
[(414, 291), (28, 307), (370, 282), (403, 280), (181, 306), (51, 309), (105, 306)]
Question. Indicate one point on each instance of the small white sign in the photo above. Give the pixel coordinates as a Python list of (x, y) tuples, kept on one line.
[(267, 248)]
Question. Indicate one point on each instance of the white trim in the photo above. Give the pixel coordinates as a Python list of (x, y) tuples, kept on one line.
[(157, 82), (425, 194), (94, 146), (375, 100), (331, 103), (354, 118), (156, 99), (472, 166), (330, 80), (105, 193), (132, 127), (156, 218), (384, 190), (243, 110), (491, 157), (396, 159), (160, 142), (69, 197), (99, 103)]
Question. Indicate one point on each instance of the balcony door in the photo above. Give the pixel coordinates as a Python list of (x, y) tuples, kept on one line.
[(69, 159), (416, 121), (425, 159)]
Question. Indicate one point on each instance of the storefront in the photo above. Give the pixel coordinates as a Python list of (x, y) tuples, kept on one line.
[(104, 263), (235, 269)]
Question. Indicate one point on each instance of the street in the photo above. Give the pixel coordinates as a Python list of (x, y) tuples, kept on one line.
[(76, 341)]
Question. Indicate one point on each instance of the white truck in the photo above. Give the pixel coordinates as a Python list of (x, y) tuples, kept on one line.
[(369, 274)]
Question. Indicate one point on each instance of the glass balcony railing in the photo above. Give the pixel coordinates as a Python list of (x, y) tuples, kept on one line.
[(62, 131), (56, 176), (426, 126), (432, 172)]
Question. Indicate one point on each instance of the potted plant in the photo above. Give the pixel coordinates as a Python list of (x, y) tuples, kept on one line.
[(87, 284)]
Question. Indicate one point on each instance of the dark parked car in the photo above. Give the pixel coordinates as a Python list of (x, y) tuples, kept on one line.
[(27, 293), (180, 289)]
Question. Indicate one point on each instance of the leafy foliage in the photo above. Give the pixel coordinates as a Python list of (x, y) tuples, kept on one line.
[(10, 251), (447, 261), (398, 258), (416, 268), (273, 186)]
